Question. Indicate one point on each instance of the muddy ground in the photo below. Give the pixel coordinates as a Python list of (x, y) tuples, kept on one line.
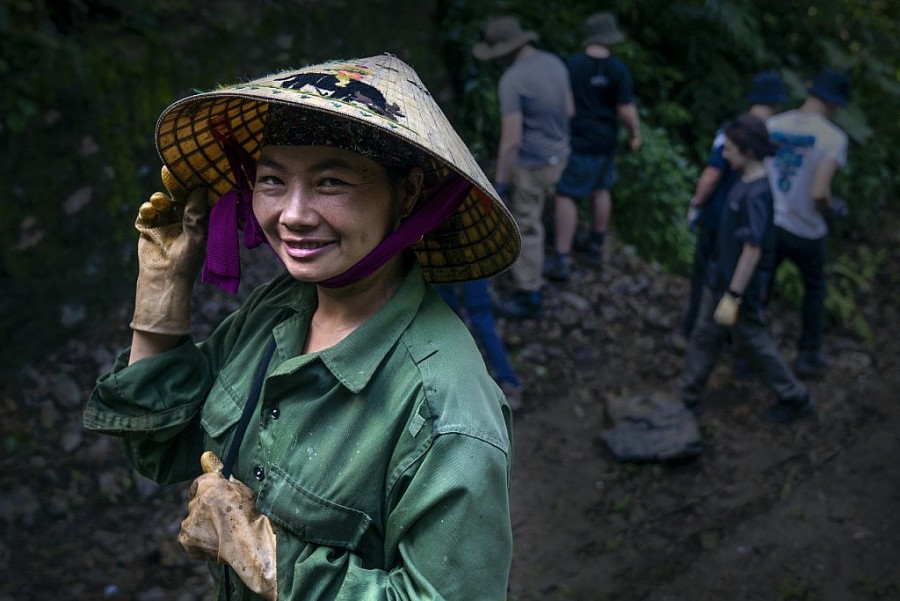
[(806, 511)]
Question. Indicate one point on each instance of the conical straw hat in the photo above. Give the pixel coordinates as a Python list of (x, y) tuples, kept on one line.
[(479, 240)]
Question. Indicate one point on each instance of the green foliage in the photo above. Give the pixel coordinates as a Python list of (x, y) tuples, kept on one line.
[(651, 201), (654, 183), (789, 284), (692, 62), (851, 277), (611, 545), (621, 505), (794, 588), (83, 83), (868, 185)]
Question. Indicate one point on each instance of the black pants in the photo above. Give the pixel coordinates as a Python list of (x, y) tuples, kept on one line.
[(809, 257)]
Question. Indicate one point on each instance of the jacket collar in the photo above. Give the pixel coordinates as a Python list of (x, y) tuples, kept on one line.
[(355, 359)]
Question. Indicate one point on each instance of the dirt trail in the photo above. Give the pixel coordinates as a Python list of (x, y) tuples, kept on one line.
[(799, 512), (802, 511)]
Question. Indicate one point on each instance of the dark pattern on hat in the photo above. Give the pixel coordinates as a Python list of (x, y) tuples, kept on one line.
[(291, 126), (344, 86)]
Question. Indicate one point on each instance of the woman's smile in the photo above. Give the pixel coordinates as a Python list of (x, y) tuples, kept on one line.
[(306, 249)]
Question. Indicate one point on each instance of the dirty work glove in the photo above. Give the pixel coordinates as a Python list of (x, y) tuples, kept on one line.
[(224, 526), (727, 310), (171, 250)]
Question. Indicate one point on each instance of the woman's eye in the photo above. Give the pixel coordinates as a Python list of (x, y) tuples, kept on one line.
[(268, 180), (330, 182)]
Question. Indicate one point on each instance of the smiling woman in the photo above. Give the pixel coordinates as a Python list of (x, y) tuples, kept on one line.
[(323, 209), (357, 463)]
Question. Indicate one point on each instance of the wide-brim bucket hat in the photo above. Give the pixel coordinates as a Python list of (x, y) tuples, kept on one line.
[(832, 86), (502, 35), (602, 28), (767, 88), (381, 93)]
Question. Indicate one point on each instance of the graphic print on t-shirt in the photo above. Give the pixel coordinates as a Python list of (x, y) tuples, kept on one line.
[(789, 158)]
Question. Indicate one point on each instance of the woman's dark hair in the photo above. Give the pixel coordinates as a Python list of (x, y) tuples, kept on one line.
[(750, 135)]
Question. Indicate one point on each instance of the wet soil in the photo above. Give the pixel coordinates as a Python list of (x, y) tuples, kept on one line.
[(805, 511)]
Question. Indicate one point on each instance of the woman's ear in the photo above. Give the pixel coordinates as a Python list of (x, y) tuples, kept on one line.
[(411, 189)]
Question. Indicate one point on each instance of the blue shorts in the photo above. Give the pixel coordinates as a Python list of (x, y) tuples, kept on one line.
[(585, 173)]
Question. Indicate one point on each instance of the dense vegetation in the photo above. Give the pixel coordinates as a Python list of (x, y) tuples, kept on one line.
[(83, 82)]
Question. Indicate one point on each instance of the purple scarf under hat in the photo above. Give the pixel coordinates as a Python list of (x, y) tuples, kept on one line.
[(223, 255)]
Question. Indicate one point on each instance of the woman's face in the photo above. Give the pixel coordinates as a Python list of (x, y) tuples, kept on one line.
[(323, 209)]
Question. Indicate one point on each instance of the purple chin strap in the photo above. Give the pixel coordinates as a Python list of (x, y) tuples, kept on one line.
[(223, 257)]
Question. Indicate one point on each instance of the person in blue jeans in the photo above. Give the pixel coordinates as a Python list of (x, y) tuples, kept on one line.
[(478, 312)]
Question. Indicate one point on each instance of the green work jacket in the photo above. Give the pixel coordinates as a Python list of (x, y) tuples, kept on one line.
[(382, 462)]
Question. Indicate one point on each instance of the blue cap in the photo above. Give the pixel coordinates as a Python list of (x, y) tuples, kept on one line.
[(767, 88), (832, 86)]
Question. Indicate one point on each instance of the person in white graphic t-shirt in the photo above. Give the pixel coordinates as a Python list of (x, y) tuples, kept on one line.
[(812, 148)]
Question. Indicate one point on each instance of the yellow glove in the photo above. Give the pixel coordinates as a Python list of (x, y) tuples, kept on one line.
[(224, 526), (171, 250), (727, 310)]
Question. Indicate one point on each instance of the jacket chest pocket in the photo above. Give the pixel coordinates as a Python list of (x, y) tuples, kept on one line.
[(220, 411), (310, 517)]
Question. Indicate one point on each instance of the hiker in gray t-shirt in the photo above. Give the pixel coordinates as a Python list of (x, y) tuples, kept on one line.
[(535, 107)]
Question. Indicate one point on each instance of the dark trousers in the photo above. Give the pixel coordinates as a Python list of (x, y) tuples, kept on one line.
[(809, 257), (752, 340)]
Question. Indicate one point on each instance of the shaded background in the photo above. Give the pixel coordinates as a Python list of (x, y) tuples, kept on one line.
[(81, 85), (83, 82)]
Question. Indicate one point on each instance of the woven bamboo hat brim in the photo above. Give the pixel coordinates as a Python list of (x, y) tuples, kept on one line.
[(479, 240)]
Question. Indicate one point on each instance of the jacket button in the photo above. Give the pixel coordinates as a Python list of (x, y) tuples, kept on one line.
[(259, 472), (275, 412)]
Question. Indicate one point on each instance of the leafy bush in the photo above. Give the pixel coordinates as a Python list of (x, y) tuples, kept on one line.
[(83, 82), (651, 200)]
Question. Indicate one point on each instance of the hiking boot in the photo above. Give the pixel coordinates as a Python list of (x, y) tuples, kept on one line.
[(522, 305), (593, 254), (785, 411), (810, 363), (558, 268)]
